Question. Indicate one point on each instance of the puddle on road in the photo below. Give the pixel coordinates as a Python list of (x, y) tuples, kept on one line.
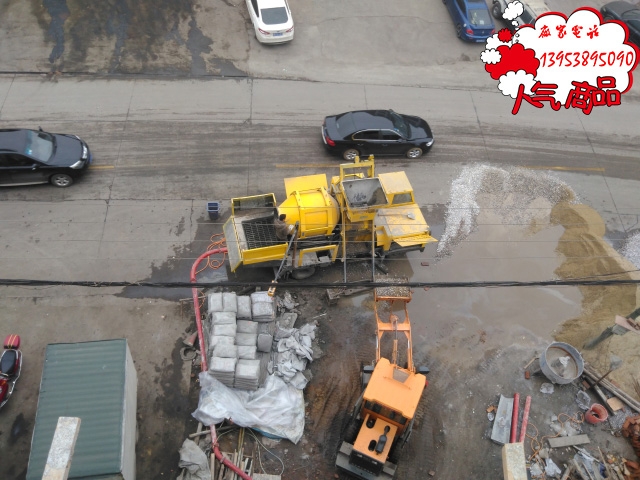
[(481, 257)]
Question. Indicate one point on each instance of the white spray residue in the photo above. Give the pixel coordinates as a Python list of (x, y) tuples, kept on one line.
[(513, 194)]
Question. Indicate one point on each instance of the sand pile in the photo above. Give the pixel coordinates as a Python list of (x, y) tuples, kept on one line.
[(589, 256)]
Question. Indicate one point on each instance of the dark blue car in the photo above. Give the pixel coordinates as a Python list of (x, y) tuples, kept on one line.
[(471, 18)]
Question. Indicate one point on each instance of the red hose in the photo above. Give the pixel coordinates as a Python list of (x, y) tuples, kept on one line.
[(203, 352), (514, 418), (525, 418)]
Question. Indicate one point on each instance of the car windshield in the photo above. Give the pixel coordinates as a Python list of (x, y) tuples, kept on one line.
[(274, 16), (400, 125), (479, 17), (39, 145)]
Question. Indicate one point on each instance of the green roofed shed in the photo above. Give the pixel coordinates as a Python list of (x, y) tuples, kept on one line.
[(97, 382)]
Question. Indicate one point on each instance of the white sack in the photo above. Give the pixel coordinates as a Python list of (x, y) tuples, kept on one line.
[(244, 307), (223, 318), (195, 461), (276, 408), (229, 302), (215, 302)]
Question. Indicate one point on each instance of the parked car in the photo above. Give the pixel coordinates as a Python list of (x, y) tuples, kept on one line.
[(532, 10), (471, 18), (271, 20), (32, 156), (628, 14), (379, 132)]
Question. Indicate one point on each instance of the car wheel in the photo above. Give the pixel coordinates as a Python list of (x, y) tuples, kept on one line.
[(350, 154), (414, 152), (496, 11), (459, 30), (608, 18), (61, 180)]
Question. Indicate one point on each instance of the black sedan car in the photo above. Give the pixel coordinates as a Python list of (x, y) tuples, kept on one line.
[(378, 132), (30, 156), (628, 14)]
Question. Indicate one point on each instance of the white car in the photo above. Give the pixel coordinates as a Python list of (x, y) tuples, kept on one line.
[(271, 20)]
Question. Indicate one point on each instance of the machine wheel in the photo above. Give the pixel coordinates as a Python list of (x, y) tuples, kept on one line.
[(394, 454), (350, 154), (351, 432), (414, 152), (302, 273), (459, 35), (608, 18), (496, 11), (61, 180)]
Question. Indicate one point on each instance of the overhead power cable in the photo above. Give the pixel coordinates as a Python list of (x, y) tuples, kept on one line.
[(301, 285)]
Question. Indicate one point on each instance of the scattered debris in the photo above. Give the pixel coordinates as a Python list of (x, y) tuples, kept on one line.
[(502, 424), (194, 461), (558, 442), (546, 388)]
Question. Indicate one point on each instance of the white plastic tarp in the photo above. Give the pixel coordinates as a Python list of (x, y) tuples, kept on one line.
[(276, 408)]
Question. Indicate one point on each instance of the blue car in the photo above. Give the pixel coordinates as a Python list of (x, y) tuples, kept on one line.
[(471, 18)]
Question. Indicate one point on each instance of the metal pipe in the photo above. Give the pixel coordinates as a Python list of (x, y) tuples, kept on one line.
[(525, 418), (514, 418), (203, 364), (373, 252)]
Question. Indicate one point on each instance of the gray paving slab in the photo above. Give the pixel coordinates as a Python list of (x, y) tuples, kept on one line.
[(34, 99), (247, 326), (305, 103), (220, 100), (224, 318), (153, 211)]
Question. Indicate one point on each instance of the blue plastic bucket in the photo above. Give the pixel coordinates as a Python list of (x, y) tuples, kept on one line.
[(213, 209)]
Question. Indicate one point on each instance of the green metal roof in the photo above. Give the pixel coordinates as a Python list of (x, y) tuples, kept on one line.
[(85, 380)]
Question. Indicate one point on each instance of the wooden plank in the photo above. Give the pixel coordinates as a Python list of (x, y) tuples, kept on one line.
[(514, 464), (623, 322), (615, 403), (61, 451), (559, 442)]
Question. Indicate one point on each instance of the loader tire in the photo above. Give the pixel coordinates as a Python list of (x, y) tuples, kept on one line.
[(351, 431)]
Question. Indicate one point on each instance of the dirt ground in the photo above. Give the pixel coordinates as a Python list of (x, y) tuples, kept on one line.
[(471, 362)]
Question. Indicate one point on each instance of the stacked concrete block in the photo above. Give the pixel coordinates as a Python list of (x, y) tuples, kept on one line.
[(247, 352), (224, 355), (223, 369), (243, 308), (263, 308), (229, 302), (214, 302), (225, 351), (247, 374), (247, 326), (233, 350), (224, 330), (246, 339)]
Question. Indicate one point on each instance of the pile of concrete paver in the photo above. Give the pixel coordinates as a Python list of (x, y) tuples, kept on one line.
[(240, 337)]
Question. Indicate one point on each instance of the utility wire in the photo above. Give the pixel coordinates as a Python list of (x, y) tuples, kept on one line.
[(305, 285)]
